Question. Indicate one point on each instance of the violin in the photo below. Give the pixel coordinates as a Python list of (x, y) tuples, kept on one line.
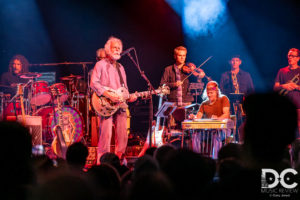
[(191, 68)]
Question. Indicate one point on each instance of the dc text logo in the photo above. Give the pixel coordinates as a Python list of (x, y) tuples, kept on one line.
[(276, 178)]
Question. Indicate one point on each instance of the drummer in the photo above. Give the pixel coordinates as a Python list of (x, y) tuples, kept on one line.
[(17, 65)]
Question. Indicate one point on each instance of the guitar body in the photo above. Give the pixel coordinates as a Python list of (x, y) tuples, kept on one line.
[(58, 144), (106, 108)]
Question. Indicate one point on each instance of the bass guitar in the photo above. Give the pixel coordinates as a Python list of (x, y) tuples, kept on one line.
[(105, 107)]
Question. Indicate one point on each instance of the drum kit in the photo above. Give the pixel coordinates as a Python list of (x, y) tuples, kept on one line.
[(39, 101)]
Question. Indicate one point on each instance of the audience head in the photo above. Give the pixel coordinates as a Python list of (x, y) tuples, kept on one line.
[(162, 152), (145, 164), (150, 151), (76, 154), (105, 181), (270, 126)]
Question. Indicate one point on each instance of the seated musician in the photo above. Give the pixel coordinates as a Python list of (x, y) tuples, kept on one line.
[(215, 105)]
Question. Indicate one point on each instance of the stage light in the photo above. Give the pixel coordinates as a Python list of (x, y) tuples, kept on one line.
[(202, 17)]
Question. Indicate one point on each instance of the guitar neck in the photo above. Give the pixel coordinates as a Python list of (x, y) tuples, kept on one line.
[(20, 93), (145, 93)]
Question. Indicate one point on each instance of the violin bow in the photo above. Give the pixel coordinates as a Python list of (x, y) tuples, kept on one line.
[(197, 68)]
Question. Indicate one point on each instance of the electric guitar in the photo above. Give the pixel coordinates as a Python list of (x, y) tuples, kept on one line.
[(61, 140), (105, 107), (157, 133), (20, 92)]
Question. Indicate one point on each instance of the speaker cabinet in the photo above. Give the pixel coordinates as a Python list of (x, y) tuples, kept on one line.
[(34, 124)]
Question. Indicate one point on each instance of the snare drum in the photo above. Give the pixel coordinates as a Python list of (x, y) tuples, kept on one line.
[(40, 93), (73, 124), (62, 91)]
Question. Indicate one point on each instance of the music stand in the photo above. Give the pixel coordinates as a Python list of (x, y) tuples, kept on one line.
[(237, 100), (198, 88), (236, 97), (166, 109)]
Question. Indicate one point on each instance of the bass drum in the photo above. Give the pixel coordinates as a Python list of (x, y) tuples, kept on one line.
[(73, 124)]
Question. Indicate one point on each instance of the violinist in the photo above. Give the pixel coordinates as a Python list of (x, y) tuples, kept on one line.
[(175, 76)]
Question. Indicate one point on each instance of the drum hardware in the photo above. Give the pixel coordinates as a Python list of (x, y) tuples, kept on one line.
[(71, 77), (29, 75), (62, 91)]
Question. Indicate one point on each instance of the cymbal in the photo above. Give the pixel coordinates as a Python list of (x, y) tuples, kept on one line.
[(71, 77), (30, 75)]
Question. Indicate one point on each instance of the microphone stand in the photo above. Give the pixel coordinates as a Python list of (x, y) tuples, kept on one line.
[(87, 98), (150, 88)]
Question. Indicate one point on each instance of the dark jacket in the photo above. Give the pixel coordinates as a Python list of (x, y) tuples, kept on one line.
[(244, 81), (169, 78)]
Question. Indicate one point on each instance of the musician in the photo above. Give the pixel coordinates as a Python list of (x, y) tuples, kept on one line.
[(175, 78), (288, 78), (108, 73), (100, 54), (236, 80), (215, 105), (287, 81), (17, 65)]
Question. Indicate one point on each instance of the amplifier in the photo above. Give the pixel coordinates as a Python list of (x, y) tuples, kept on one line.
[(34, 124)]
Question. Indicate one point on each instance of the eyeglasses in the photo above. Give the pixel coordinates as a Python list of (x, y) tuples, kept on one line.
[(292, 56)]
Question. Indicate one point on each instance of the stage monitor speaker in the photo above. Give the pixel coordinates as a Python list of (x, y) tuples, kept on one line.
[(34, 124)]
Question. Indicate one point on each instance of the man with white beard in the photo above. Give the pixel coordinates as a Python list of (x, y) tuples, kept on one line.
[(108, 73)]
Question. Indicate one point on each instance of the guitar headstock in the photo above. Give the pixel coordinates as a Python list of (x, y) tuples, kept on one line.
[(20, 89), (163, 90)]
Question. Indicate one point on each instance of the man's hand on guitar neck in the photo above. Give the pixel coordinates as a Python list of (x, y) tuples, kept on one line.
[(112, 96)]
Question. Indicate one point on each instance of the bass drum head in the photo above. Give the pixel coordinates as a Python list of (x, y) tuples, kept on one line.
[(72, 122)]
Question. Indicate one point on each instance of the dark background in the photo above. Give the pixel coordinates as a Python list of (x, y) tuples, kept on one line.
[(47, 31)]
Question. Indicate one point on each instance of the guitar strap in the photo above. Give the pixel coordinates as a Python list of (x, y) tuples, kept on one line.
[(120, 75)]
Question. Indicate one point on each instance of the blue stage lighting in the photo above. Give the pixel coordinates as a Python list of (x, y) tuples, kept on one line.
[(202, 17)]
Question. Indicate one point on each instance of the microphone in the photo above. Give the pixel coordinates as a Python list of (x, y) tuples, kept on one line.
[(126, 51)]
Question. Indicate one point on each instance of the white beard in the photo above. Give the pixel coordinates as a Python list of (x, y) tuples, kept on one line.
[(115, 56)]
